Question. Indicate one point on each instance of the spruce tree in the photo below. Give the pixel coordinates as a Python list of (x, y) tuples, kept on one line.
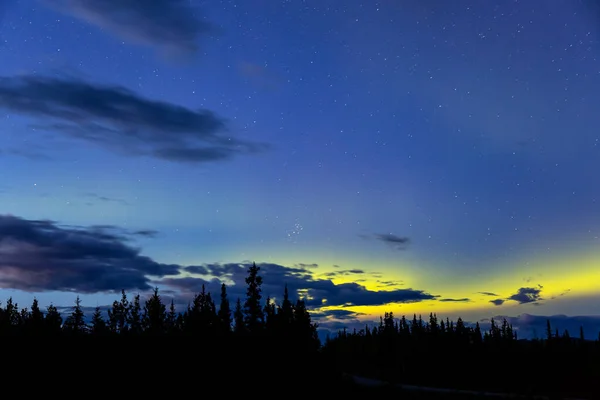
[(224, 310), (253, 313), (36, 320), (75, 322), (98, 324), (155, 314), (238, 316), (134, 316), (53, 320), (172, 323)]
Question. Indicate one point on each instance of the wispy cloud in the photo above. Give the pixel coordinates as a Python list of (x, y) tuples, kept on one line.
[(461, 300), (173, 27), (395, 241), (122, 121), (488, 294)]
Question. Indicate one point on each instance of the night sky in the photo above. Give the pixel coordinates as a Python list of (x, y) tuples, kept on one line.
[(405, 156)]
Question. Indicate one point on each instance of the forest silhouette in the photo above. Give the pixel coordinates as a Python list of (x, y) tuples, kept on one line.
[(258, 345)]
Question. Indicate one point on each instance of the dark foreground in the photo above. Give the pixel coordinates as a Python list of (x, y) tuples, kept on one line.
[(175, 367)]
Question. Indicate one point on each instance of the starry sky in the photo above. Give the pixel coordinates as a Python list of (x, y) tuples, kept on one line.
[(405, 156)]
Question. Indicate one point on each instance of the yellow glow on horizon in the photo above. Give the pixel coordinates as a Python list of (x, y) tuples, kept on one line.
[(558, 277)]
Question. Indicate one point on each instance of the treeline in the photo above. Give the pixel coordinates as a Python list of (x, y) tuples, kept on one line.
[(130, 317), (450, 354), (204, 344)]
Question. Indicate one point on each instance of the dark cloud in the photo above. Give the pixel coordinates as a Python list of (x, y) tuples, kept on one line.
[(40, 255), (336, 314), (527, 295), (105, 199), (303, 265), (488, 294), (344, 272), (462, 300), (172, 26), (524, 295), (122, 121), (300, 282), (398, 242), (390, 283), (149, 233)]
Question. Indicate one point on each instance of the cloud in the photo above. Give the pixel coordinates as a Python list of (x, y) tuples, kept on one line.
[(40, 255), (524, 295), (300, 282), (303, 265), (105, 199), (122, 121), (390, 283), (149, 233), (398, 242), (171, 26), (488, 294), (344, 272), (336, 314), (462, 300), (527, 295)]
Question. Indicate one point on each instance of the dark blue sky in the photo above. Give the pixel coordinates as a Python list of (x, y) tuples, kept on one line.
[(406, 148)]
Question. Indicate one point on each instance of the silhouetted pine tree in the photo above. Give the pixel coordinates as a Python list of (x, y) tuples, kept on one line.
[(238, 317), (75, 322), (135, 316), (285, 314), (304, 329), (98, 324), (172, 322), (253, 313), (36, 319), (155, 315), (224, 310), (53, 320), (270, 315), (118, 315)]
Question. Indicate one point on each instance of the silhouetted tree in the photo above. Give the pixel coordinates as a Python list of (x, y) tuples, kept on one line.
[(75, 322), (238, 316), (135, 316), (224, 310), (98, 324), (173, 325), (253, 312), (53, 320), (155, 314), (36, 319)]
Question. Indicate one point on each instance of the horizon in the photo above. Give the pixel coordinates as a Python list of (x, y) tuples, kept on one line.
[(412, 158)]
